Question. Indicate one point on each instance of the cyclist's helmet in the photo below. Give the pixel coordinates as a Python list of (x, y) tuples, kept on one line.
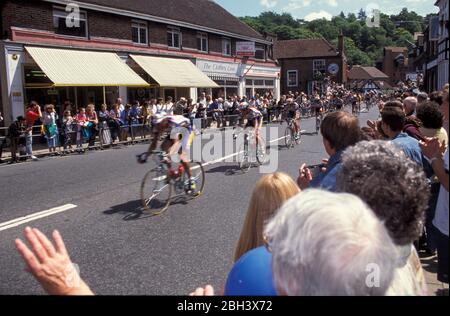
[(243, 105)]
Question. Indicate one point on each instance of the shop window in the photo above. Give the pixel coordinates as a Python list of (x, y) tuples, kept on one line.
[(66, 25), (259, 82), (139, 32), (202, 42), (269, 83), (174, 37), (292, 78), (249, 82), (226, 47)]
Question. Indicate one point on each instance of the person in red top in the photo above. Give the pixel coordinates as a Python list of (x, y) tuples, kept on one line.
[(32, 114)]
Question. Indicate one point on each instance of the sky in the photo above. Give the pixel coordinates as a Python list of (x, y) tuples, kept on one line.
[(312, 9)]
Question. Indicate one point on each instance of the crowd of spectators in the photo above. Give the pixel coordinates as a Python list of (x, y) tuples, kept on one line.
[(353, 228)]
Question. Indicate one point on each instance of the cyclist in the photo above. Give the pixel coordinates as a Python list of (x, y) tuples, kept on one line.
[(317, 107), (180, 132), (292, 109), (254, 118)]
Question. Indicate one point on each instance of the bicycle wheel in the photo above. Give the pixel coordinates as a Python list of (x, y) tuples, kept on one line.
[(156, 191), (298, 140), (243, 157), (261, 151), (289, 136), (198, 175)]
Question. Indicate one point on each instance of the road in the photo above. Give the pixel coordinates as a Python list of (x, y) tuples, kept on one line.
[(119, 249)]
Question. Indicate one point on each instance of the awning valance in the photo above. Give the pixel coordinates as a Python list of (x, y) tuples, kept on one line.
[(77, 68), (174, 73)]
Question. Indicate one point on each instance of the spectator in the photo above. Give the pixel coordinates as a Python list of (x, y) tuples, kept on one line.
[(422, 98), (324, 244), (434, 151), (67, 130), (32, 114), (180, 107), (339, 131), (125, 120), (393, 122), (103, 122), (120, 105), (432, 122), (412, 124), (15, 131), (397, 191), (92, 124), (52, 268), (168, 107), (437, 96), (270, 193), (49, 119), (410, 105), (82, 131), (115, 123)]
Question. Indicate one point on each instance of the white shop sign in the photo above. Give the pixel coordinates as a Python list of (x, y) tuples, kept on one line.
[(245, 49), (211, 67)]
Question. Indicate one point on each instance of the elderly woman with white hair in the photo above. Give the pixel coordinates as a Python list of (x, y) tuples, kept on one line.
[(329, 244)]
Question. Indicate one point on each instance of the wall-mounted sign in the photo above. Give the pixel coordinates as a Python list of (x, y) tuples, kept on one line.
[(245, 49), (211, 67)]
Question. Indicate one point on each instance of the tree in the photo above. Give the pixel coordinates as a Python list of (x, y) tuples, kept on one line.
[(362, 16)]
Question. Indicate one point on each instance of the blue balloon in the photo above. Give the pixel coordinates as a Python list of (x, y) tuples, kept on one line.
[(251, 275)]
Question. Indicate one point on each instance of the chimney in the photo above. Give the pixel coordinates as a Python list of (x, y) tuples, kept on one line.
[(341, 43)]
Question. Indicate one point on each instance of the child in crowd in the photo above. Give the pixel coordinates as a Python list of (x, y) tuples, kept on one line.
[(67, 130)]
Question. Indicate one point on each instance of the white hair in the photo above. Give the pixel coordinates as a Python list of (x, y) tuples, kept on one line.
[(326, 244), (410, 102)]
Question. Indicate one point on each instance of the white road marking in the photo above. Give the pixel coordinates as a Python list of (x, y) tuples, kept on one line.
[(32, 217), (230, 156)]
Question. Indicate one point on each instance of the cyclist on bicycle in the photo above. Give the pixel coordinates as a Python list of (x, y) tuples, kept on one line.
[(292, 109), (254, 118), (180, 137), (317, 106)]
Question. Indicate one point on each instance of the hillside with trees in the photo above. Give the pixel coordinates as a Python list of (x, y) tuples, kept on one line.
[(364, 45)]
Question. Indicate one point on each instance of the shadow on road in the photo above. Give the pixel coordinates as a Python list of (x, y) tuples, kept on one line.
[(132, 211), (226, 170)]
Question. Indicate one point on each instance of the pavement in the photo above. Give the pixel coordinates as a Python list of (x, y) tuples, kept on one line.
[(93, 200)]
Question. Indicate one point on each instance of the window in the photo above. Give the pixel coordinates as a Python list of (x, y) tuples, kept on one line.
[(139, 32), (260, 52), (249, 82), (269, 83), (202, 42), (173, 37), (292, 78), (226, 47), (319, 65), (258, 82), (69, 26)]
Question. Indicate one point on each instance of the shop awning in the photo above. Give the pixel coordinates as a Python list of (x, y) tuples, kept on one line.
[(84, 68), (174, 73)]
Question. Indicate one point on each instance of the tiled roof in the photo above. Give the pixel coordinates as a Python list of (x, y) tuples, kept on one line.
[(304, 48), (205, 13), (366, 73)]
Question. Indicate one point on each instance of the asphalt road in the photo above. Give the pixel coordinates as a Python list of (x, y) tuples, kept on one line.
[(119, 249)]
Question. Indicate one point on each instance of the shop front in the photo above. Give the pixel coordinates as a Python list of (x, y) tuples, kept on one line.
[(262, 80), (56, 76), (225, 75), (174, 77)]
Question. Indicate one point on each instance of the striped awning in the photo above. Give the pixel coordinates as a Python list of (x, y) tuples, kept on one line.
[(174, 73), (76, 68), (223, 77)]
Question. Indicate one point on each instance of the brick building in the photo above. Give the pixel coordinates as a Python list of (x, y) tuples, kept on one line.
[(306, 63), (153, 38), (367, 79), (395, 64)]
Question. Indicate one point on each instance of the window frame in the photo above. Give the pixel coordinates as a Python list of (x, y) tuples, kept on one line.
[(202, 36), (288, 82), (321, 61), (226, 41), (63, 14), (175, 30), (260, 48), (140, 25)]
